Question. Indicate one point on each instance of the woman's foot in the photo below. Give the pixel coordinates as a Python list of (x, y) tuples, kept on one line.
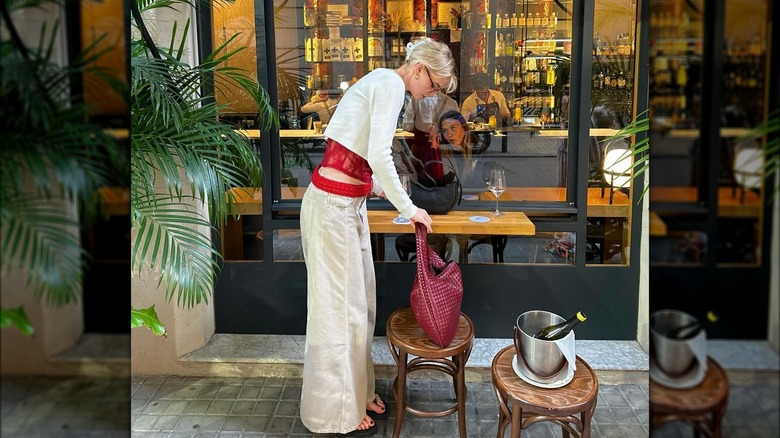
[(367, 427), (376, 408)]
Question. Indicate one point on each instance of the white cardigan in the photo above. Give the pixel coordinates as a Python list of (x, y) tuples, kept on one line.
[(365, 122)]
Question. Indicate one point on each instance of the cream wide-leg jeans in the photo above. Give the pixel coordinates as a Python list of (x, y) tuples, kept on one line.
[(338, 372)]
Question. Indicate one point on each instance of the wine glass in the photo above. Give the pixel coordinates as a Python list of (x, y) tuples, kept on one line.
[(487, 167), (407, 185), (497, 185)]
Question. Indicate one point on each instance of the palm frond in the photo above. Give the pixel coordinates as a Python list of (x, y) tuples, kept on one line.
[(41, 237), (53, 161), (639, 150), (170, 237), (182, 152)]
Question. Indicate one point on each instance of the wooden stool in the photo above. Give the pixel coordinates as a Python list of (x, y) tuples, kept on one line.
[(405, 337), (703, 406), (531, 404)]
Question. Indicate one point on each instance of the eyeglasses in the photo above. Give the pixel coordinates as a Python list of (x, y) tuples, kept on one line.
[(434, 87)]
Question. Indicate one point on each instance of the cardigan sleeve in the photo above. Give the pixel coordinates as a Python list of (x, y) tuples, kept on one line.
[(384, 106)]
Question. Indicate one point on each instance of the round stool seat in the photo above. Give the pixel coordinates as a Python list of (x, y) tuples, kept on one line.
[(405, 337), (404, 332), (703, 405), (531, 404)]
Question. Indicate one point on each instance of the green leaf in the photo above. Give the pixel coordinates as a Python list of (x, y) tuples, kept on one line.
[(147, 318), (16, 318), (640, 148)]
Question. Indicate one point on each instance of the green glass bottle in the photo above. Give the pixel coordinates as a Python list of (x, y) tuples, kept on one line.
[(688, 331), (558, 331)]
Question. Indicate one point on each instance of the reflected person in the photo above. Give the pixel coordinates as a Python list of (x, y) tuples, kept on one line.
[(458, 145)]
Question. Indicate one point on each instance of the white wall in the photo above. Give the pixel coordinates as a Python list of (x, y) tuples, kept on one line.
[(187, 329)]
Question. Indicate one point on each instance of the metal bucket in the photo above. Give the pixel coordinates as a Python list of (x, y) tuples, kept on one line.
[(674, 356), (543, 358)]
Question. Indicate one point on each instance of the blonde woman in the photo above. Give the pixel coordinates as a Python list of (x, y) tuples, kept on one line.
[(338, 394)]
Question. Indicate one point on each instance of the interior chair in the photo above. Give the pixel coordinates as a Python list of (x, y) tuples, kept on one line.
[(617, 166), (748, 167), (406, 246), (497, 242)]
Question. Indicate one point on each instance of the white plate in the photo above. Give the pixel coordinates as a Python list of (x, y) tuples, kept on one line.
[(559, 379), (401, 221), (692, 378), (469, 197), (480, 219)]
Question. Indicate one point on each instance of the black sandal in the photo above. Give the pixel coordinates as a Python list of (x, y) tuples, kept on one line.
[(377, 415)]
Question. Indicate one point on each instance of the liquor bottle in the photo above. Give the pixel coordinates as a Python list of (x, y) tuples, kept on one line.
[(621, 80), (690, 330), (513, 20), (537, 20), (507, 21), (550, 75), (558, 331), (521, 20), (607, 79), (508, 49)]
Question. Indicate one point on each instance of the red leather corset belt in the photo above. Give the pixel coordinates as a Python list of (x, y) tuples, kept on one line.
[(340, 158)]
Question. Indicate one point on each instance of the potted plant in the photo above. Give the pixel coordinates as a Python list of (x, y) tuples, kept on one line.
[(53, 158), (181, 152)]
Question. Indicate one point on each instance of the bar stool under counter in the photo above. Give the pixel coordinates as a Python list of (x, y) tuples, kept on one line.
[(522, 404), (404, 338)]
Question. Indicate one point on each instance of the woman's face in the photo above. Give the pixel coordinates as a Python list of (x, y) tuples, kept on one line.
[(452, 130)]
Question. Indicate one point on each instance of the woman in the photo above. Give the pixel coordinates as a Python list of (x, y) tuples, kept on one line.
[(338, 372), (321, 104), (456, 133)]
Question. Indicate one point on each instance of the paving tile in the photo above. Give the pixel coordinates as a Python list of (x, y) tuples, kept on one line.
[(246, 423), (197, 423)]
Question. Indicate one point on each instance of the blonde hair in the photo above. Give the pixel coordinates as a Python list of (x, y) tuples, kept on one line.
[(435, 56)]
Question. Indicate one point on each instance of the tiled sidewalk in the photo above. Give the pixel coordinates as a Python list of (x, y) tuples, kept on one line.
[(269, 407), (49, 407)]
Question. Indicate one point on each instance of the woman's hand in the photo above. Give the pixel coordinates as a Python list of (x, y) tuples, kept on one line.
[(422, 217), (433, 138)]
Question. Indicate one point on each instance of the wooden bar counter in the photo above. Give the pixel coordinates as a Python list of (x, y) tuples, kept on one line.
[(597, 206), (730, 201)]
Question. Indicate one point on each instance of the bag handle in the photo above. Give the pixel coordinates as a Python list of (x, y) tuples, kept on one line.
[(449, 165), (426, 256)]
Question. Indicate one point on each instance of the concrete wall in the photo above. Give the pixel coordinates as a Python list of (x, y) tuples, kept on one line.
[(187, 329)]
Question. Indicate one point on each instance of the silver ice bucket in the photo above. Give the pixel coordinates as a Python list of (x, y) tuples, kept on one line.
[(543, 358), (673, 356)]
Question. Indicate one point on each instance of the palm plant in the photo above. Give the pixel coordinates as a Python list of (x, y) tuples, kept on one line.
[(52, 158), (182, 152)]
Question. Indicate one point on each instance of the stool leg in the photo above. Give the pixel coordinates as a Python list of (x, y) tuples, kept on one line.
[(503, 413), (400, 394), (517, 420), (586, 416), (460, 393)]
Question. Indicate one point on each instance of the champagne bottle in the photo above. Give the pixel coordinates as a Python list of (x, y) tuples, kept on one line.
[(558, 331), (688, 331)]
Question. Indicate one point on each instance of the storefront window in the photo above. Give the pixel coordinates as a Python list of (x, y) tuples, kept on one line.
[(102, 25), (681, 160), (511, 109)]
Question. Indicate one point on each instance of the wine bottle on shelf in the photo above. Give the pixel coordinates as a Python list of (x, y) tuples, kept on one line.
[(688, 331), (558, 331)]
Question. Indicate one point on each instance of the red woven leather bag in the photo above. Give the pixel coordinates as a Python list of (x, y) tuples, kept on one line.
[(437, 292)]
